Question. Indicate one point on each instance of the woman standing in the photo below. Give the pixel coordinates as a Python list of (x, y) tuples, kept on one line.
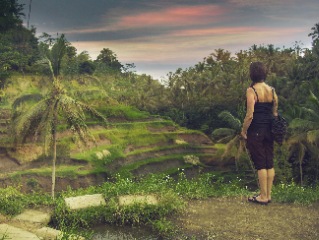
[(262, 105)]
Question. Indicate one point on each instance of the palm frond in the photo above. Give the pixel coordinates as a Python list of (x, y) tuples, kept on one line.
[(296, 138), (299, 124), (223, 132), (73, 114), (313, 99), (93, 112), (313, 136), (30, 120), (47, 62), (26, 98), (231, 120), (46, 124), (310, 113), (234, 143)]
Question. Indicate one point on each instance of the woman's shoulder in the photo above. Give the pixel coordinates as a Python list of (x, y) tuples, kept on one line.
[(250, 90)]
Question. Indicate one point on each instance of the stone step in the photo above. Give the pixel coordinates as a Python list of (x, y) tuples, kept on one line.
[(127, 200), (10, 232), (33, 216), (53, 234), (85, 201)]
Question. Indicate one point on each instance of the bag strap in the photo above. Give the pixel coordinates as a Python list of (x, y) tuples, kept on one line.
[(255, 93)]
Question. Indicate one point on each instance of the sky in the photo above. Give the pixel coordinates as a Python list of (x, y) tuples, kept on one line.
[(160, 36)]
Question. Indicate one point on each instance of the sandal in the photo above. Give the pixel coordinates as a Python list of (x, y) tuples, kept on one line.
[(257, 195), (254, 200)]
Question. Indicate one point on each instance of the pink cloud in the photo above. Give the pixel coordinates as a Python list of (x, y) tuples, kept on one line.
[(175, 16)]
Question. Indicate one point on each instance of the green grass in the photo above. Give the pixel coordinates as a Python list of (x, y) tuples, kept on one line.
[(128, 168), (158, 148), (293, 193), (123, 111), (12, 201), (132, 134), (61, 171), (172, 193)]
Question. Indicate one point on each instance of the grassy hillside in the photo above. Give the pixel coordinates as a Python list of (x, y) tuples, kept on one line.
[(133, 144)]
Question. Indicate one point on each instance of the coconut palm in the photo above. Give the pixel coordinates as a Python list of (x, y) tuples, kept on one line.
[(42, 119), (305, 132), (231, 135)]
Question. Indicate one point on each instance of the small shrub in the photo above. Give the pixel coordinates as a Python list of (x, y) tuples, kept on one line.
[(194, 160), (163, 226), (11, 202)]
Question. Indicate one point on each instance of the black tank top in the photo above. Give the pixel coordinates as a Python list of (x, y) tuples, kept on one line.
[(263, 113)]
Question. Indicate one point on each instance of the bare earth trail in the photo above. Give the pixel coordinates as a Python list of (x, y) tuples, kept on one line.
[(230, 219)]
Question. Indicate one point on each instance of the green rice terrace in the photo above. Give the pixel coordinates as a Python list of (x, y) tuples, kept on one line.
[(129, 148)]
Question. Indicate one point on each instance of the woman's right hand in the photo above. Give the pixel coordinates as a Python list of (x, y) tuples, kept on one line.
[(243, 135)]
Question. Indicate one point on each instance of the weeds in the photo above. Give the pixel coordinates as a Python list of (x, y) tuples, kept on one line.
[(12, 201), (293, 193), (172, 194)]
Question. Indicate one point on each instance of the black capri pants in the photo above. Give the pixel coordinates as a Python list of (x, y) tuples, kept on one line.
[(260, 144)]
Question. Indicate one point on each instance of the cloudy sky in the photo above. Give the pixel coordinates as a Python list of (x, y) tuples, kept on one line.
[(159, 36)]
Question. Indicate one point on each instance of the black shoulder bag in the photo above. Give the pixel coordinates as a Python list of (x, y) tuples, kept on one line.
[(279, 126)]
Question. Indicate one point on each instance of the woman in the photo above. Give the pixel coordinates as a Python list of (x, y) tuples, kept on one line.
[(262, 105)]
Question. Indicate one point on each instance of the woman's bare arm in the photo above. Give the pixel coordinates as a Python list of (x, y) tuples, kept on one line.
[(250, 96)]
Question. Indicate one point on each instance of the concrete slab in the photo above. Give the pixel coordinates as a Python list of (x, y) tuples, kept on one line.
[(10, 232), (85, 201), (34, 216), (47, 233), (137, 199)]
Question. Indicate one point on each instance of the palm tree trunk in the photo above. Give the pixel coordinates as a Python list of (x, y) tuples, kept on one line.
[(301, 176), (54, 151)]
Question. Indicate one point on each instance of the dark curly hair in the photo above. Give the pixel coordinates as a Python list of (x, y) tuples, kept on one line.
[(258, 72)]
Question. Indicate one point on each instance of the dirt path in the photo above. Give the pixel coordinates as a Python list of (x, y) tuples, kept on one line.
[(230, 219)]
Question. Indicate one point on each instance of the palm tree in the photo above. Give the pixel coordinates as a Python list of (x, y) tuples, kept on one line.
[(42, 119), (231, 135), (305, 132)]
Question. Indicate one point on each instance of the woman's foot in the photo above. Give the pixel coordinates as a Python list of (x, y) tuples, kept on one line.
[(257, 199), (257, 195)]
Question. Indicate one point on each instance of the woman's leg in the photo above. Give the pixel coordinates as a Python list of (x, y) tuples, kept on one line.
[(269, 150), (270, 180), (257, 153), (263, 183)]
